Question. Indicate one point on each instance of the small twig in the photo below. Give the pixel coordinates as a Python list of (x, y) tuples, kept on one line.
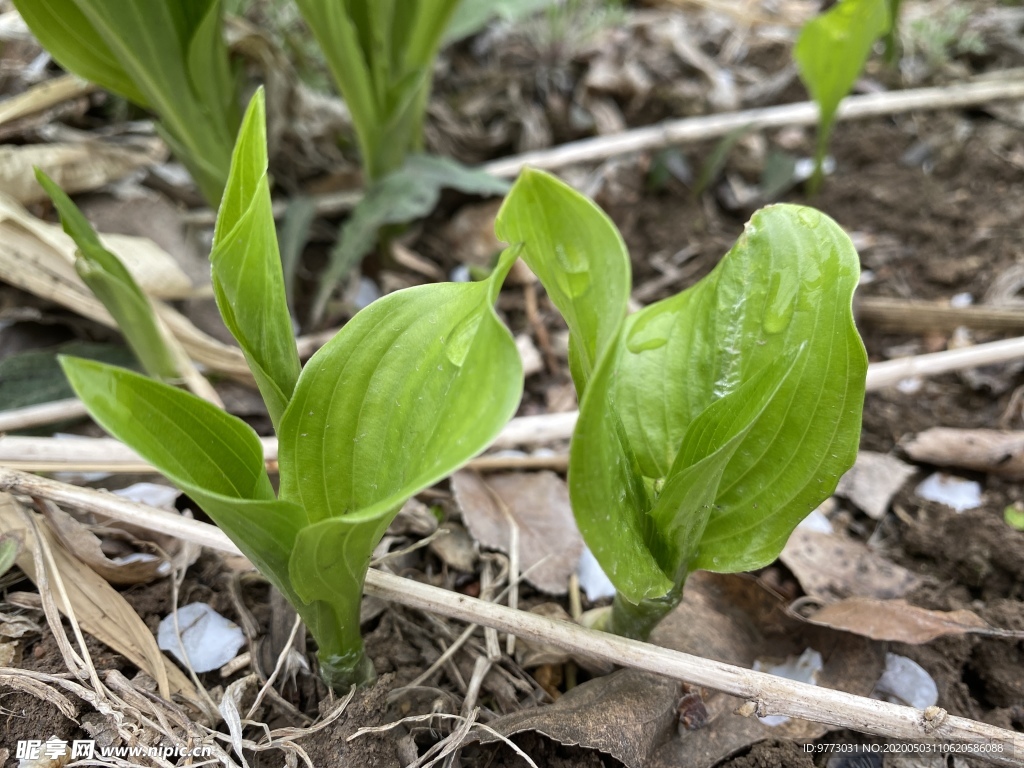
[(281, 659), (770, 695), (908, 316)]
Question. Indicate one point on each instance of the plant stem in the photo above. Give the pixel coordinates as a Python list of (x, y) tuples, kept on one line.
[(342, 657), (637, 620)]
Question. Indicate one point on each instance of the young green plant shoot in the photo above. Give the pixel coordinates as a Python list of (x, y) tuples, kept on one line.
[(712, 422), (168, 57), (830, 54), (413, 386), (381, 55)]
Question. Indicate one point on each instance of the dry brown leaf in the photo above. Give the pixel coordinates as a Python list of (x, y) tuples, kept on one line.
[(985, 450), (155, 270), (831, 566), (84, 545), (8, 654), (538, 504), (74, 167), (100, 609), (14, 627), (39, 258), (734, 619), (873, 481), (899, 621), (628, 715)]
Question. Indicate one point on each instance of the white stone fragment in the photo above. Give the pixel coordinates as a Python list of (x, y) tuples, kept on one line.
[(209, 641), (593, 579), (153, 494), (952, 491), (906, 682), (803, 668)]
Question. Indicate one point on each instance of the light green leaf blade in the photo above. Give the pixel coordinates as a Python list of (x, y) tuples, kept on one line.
[(73, 41), (114, 286), (339, 39), (10, 548), (214, 457), (788, 282), (248, 280), (209, 71), (687, 500), (830, 54), (579, 256), (412, 387), (407, 194), (609, 498)]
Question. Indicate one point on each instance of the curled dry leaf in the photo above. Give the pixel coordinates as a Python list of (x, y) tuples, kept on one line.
[(734, 619), (628, 715), (75, 167), (995, 451), (899, 621), (538, 504), (832, 566), (14, 627), (873, 481), (86, 546), (99, 608)]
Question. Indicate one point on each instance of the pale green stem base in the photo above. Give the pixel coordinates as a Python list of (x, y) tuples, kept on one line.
[(343, 671), (638, 620)]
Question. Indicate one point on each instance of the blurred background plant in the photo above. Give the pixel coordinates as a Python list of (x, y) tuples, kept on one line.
[(169, 58)]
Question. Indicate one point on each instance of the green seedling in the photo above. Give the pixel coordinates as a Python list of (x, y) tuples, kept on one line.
[(381, 55), (168, 57), (410, 389), (711, 423), (114, 286), (830, 54)]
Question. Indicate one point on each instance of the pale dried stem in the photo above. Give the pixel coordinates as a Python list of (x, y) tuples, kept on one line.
[(768, 695)]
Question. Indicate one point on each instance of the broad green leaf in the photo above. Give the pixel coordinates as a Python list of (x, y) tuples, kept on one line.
[(247, 276), (214, 457), (413, 386), (114, 286), (73, 41), (788, 282), (209, 67), (579, 256), (33, 377), (403, 196), (687, 500), (830, 54), (10, 548)]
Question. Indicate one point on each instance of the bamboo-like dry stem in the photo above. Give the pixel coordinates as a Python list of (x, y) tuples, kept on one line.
[(909, 316), (768, 695)]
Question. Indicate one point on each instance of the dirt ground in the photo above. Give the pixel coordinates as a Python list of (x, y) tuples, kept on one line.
[(935, 202)]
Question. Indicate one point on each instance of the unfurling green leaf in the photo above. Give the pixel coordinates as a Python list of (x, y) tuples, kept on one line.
[(247, 276), (114, 286), (830, 54), (711, 422)]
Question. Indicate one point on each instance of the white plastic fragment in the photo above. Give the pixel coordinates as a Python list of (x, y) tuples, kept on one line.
[(906, 682), (209, 641), (816, 521), (367, 293), (153, 494), (952, 491), (803, 668), (593, 579), (911, 385), (961, 300)]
